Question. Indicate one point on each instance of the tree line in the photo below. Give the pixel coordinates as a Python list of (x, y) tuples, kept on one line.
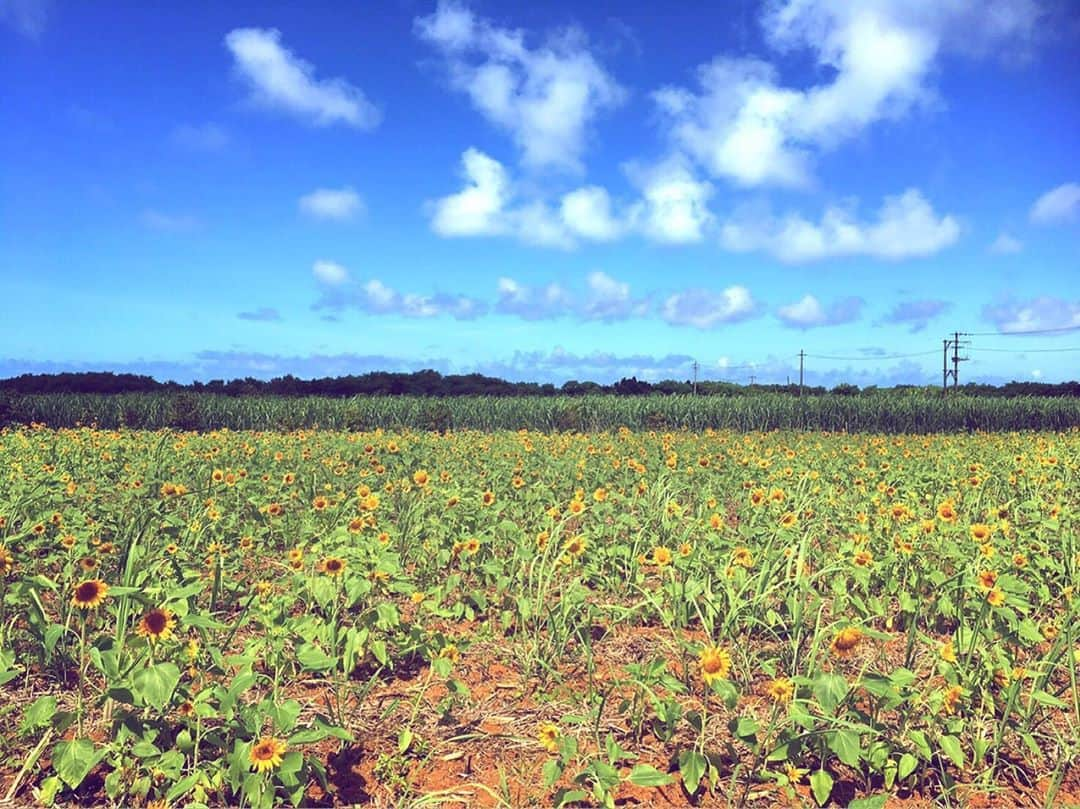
[(434, 384)]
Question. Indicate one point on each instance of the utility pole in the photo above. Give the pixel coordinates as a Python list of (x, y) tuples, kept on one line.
[(955, 343), (802, 356), (751, 379), (695, 376)]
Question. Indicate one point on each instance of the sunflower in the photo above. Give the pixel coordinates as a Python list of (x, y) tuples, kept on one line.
[(471, 546), (780, 690), (951, 699), (864, 559), (487, 498), (980, 532), (450, 652), (575, 546), (7, 561), (332, 566), (742, 557), (1019, 560), (715, 664), (89, 594), (661, 556), (995, 597), (320, 503), (987, 579), (947, 652), (845, 641), (788, 520), (548, 735), (157, 624), (88, 563), (947, 512), (266, 754)]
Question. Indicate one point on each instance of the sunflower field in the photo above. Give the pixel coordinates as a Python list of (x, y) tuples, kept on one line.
[(325, 618)]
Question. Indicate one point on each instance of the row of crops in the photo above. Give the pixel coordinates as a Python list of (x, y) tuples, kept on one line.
[(516, 618), (891, 412)]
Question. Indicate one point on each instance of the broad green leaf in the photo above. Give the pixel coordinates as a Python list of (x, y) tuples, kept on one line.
[(39, 714), (821, 784), (646, 775), (155, 684), (907, 765), (950, 746), (845, 743), (692, 765), (73, 760)]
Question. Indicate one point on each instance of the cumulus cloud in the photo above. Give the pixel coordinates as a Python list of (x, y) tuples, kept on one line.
[(603, 298), (916, 314), (1058, 205), (278, 79), (742, 123), (674, 204), (706, 309), (339, 292), (330, 272), (207, 137), (906, 227), (489, 204), (263, 314), (1045, 313), (340, 204), (808, 312), (1005, 245), (546, 97)]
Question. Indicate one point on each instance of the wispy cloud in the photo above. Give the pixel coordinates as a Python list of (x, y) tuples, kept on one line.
[(28, 17), (916, 314), (340, 292), (338, 204), (278, 79), (1005, 245), (1058, 205), (708, 309), (1037, 314), (264, 314), (206, 137), (168, 223)]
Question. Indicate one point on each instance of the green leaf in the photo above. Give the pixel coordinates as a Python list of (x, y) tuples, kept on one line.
[(646, 775), (922, 744), (907, 766), (692, 765), (829, 690), (950, 746), (821, 785), (155, 684), (39, 714), (564, 796), (552, 770), (404, 740), (1048, 699), (869, 802), (845, 743), (73, 760), (313, 658), (182, 787)]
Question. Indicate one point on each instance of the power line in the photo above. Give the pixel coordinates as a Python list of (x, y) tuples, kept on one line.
[(871, 357), (1027, 350), (1059, 330)]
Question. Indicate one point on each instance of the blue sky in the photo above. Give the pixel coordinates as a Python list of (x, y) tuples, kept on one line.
[(542, 191)]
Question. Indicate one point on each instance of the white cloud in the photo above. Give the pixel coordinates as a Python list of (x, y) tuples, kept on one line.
[(476, 210), (604, 299), (28, 17), (705, 309), (1038, 314), (339, 293), (1061, 204), (332, 203), (906, 227), (279, 79), (545, 97), (330, 272), (808, 312), (168, 223), (208, 137), (674, 205), (743, 124), (586, 212), (1005, 245), (1036, 373)]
